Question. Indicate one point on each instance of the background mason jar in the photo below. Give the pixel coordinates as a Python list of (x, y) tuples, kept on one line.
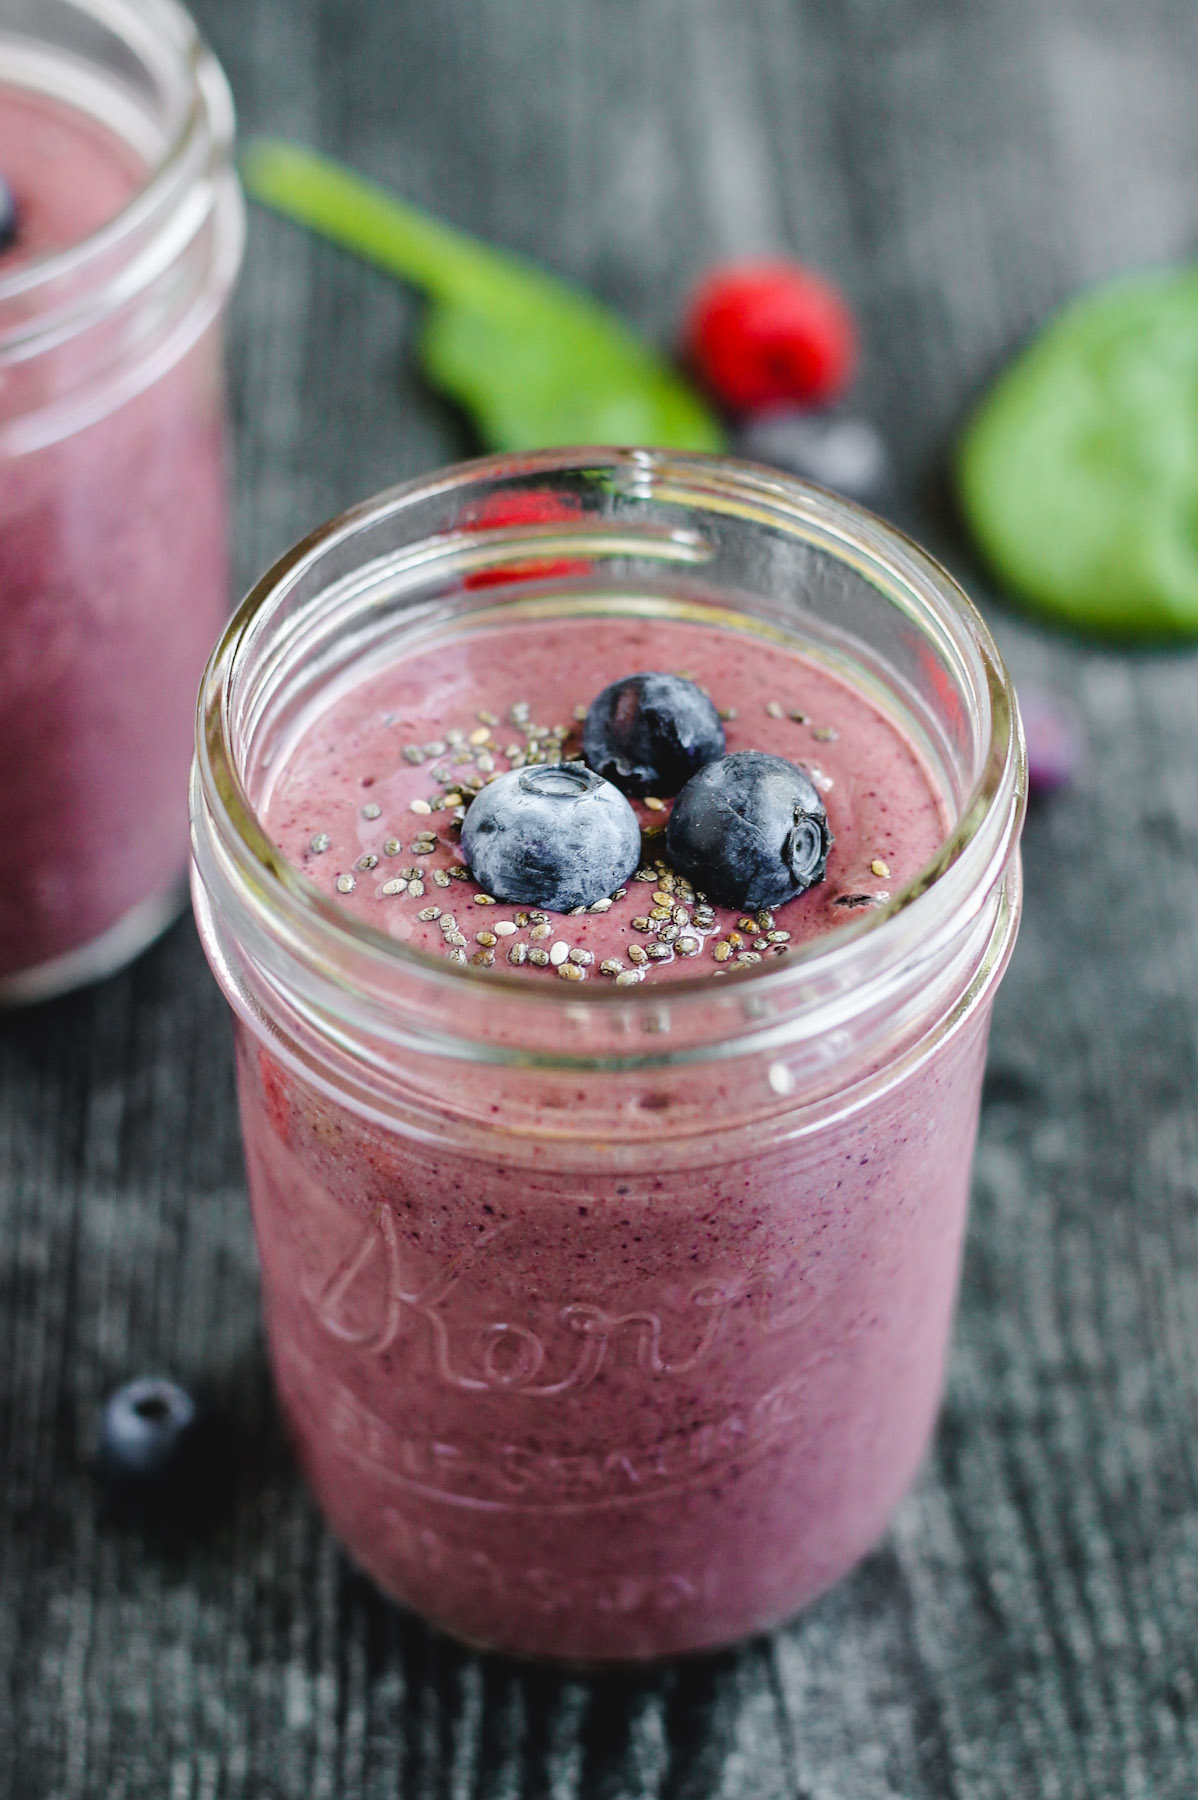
[(113, 572), (609, 1322)]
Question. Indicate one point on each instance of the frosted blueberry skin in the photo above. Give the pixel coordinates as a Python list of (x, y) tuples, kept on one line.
[(148, 1433), (750, 830), (649, 733), (8, 217), (556, 836)]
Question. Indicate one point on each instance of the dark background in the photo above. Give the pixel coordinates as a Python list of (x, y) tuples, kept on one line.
[(1027, 1629)]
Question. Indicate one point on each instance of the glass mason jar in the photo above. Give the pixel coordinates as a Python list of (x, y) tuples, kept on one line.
[(609, 1321), (115, 139)]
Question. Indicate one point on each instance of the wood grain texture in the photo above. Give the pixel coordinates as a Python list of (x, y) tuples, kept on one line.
[(1027, 1629)]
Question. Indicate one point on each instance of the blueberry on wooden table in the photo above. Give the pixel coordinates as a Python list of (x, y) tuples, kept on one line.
[(750, 830), (837, 451), (149, 1434), (1056, 746), (556, 836), (649, 733)]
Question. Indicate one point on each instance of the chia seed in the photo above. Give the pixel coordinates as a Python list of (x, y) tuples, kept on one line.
[(320, 843)]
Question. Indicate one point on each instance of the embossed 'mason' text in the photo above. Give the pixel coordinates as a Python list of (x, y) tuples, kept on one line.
[(510, 1476)]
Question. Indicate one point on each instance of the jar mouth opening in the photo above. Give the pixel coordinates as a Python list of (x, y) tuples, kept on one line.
[(969, 860), (163, 41)]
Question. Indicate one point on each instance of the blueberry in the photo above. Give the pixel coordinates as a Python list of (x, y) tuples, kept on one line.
[(148, 1433), (834, 450), (649, 733), (750, 830), (1055, 744), (557, 836), (8, 217)]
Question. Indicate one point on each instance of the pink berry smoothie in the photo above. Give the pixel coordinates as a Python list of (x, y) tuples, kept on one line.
[(112, 584), (657, 1393)]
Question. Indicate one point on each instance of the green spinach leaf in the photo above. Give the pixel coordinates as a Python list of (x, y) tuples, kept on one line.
[(533, 361), (1079, 470)]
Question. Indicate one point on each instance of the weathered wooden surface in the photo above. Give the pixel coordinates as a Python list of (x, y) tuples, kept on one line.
[(1028, 1628)]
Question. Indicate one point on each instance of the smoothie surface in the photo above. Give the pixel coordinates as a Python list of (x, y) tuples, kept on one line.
[(367, 802), (68, 174)]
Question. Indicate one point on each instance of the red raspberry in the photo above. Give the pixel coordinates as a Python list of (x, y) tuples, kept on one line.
[(532, 507), (763, 333)]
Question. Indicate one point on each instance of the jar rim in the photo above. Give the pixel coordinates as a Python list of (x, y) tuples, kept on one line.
[(163, 33), (969, 862)]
